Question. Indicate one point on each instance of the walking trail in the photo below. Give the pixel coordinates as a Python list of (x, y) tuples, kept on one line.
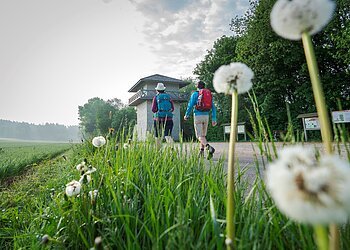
[(248, 153)]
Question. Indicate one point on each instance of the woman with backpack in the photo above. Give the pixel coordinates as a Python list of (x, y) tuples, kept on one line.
[(163, 107), (202, 102)]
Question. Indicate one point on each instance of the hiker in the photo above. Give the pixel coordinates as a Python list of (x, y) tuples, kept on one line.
[(163, 107), (202, 102)]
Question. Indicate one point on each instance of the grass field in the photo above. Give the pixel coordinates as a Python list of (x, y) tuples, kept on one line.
[(148, 198), (16, 156)]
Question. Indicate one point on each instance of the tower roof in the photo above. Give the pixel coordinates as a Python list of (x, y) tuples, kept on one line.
[(155, 79)]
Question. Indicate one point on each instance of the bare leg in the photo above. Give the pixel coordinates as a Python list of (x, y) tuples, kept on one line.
[(203, 141)]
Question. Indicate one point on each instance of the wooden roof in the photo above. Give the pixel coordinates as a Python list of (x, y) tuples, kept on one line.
[(155, 79), (308, 115)]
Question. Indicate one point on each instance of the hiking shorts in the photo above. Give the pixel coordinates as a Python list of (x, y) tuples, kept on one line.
[(201, 125), (161, 125)]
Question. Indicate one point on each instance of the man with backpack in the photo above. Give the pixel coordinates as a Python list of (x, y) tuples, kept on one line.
[(202, 102), (163, 107)]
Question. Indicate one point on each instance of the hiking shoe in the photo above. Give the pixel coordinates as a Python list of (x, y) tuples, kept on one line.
[(201, 153), (211, 151)]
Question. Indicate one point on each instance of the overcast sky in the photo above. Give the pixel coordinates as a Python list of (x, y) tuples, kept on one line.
[(57, 54)]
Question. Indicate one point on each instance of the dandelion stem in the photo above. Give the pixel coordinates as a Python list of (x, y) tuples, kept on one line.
[(231, 170), (334, 243), (318, 92), (321, 235), (322, 114)]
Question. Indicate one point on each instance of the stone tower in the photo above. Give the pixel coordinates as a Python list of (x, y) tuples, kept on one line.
[(142, 100)]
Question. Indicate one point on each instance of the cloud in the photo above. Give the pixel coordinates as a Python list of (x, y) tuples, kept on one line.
[(180, 32)]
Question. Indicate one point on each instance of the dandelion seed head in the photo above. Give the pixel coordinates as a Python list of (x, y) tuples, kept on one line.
[(235, 76), (73, 188), (228, 242), (93, 194), (45, 239), (290, 18), (98, 141), (81, 166), (307, 190), (98, 241)]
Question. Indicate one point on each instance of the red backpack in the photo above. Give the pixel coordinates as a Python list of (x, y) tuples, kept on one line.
[(204, 100)]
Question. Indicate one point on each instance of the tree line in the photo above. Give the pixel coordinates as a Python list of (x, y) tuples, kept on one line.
[(281, 83), (45, 132)]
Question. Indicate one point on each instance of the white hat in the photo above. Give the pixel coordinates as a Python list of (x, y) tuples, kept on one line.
[(160, 86)]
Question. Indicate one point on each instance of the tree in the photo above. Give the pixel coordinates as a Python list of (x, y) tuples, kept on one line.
[(223, 52), (281, 74), (95, 116), (124, 119)]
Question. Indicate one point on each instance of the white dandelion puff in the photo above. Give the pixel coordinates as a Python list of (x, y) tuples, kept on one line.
[(235, 76), (98, 242), (98, 141), (307, 190), (290, 18), (82, 167), (73, 188), (93, 194), (228, 242)]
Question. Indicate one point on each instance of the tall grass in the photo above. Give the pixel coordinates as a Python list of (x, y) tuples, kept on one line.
[(148, 198), (16, 156)]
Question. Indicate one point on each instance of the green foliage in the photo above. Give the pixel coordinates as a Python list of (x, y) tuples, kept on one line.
[(124, 118), (187, 126), (279, 65), (97, 116), (280, 69), (223, 52), (94, 116)]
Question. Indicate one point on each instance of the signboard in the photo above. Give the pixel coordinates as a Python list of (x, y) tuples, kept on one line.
[(240, 129), (227, 129), (312, 123), (341, 116)]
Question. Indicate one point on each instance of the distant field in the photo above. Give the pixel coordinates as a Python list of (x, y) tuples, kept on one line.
[(16, 155)]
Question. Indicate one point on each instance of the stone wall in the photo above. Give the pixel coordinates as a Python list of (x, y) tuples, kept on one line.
[(145, 120)]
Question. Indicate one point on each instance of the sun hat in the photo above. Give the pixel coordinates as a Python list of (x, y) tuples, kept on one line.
[(160, 86)]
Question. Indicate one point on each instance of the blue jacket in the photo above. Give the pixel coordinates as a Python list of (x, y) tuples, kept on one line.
[(192, 103)]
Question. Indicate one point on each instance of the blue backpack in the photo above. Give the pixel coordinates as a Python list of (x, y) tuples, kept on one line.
[(164, 105)]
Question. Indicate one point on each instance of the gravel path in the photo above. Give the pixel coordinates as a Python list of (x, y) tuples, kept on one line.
[(248, 152)]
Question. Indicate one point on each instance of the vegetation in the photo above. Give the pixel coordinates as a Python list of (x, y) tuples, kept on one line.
[(46, 132), (147, 198), (17, 156), (98, 116), (281, 75), (168, 198)]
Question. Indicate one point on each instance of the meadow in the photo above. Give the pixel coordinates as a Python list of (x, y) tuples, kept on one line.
[(16, 156), (146, 198)]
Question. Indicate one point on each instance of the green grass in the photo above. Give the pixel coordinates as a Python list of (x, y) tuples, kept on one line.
[(16, 156), (148, 199)]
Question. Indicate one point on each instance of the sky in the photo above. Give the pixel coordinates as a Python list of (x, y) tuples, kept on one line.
[(55, 55)]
